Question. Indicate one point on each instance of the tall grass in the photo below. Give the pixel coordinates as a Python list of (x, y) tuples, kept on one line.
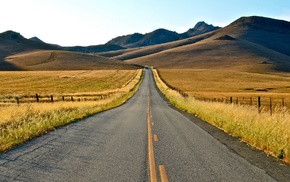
[(268, 133), (26, 121)]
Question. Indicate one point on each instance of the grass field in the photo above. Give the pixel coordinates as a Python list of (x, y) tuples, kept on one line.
[(223, 84), (265, 132), (58, 82), (19, 123)]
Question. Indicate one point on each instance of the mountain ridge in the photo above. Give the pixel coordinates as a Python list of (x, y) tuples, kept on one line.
[(246, 44), (160, 36)]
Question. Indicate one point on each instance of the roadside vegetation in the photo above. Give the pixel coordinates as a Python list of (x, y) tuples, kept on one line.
[(265, 132), (20, 123)]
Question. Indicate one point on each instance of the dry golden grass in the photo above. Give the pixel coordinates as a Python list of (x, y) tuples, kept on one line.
[(244, 122), (19, 123), (222, 84), (59, 82), (63, 60), (217, 54)]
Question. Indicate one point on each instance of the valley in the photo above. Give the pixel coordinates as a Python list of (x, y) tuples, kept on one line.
[(118, 105)]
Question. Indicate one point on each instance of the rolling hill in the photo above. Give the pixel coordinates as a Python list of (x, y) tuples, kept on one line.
[(19, 53), (144, 51), (13, 42), (255, 44), (63, 60)]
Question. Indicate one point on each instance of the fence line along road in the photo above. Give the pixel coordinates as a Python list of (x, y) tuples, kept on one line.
[(265, 103)]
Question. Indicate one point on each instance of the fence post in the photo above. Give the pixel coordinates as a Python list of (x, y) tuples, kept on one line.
[(51, 98), (37, 98), (237, 101), (17, 100), (270, 106), (72, 98), (231, 100), (259, 104), (62, 98)]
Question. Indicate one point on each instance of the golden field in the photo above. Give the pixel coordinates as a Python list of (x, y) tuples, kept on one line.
[(57, 82), (265, 132), (223, 84), (19, 123)]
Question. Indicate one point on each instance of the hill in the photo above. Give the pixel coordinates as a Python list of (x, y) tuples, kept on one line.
[(144, 51), (255, 44), (138, 40), (19, 53), (160, 36), (94, 48), (62, 60), (12, 43)]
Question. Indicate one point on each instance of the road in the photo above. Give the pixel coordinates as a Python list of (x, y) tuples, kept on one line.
[(143, 140)]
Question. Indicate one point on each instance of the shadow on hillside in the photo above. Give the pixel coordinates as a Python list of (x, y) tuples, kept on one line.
[(6, 66), (283, 68)]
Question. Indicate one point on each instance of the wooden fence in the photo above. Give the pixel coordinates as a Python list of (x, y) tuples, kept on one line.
[(37, 98), (268, 104), (261, 103), (171, 87)]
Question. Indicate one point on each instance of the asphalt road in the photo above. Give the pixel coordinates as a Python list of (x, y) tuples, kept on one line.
[(115, 146)]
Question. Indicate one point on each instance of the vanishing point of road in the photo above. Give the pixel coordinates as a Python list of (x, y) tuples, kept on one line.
[(145, 139)]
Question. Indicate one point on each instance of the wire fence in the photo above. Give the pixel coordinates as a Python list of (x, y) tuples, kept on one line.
[(37, 98), (263, 104)]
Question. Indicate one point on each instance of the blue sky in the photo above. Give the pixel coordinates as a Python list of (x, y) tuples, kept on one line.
[(92, 22)]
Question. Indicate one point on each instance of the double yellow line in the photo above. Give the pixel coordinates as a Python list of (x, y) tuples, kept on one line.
[(151, 158)]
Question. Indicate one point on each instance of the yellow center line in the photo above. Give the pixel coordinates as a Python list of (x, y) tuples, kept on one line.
[(163, 174), (151, 158), (155, 138)]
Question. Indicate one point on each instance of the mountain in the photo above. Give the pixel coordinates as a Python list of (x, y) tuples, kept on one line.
[(255, 44), (12, 43), (126, 40), (19, 53), (36, 39), (138, 40), (268, 32), (94, 48), (200, 28), (160, 36), (157, 37)]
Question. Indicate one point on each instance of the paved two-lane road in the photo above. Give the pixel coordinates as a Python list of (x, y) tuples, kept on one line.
[(114, 146)]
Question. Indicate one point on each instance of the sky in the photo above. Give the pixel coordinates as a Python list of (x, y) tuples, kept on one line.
[(93, 22)]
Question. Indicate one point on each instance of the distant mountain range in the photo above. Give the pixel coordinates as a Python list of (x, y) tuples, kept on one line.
[(160, 36), (254, 44), (139, 40), (122, 42)]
